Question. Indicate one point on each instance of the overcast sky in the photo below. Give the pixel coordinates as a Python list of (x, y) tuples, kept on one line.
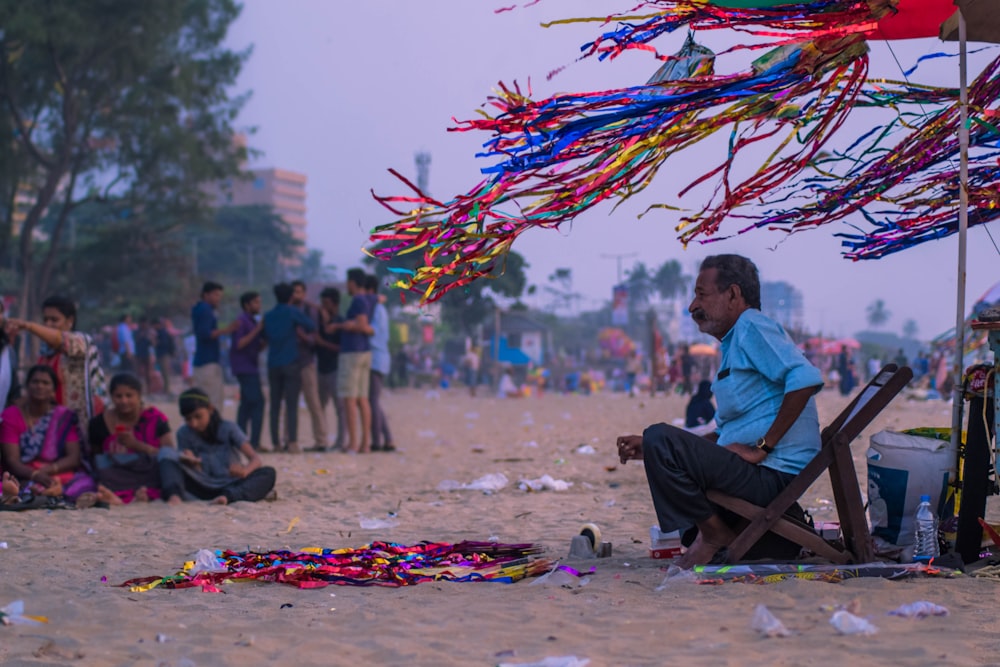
[(343, 91)]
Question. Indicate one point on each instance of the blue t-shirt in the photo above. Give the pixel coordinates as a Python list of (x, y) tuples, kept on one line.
[(351, 341), (760, 364), (280, 324), (203, 323)]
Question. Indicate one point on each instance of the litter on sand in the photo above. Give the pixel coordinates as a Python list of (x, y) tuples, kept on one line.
[(544, 483), (489, 483), (552, 661), (847, 623), (767, 624), (920, 609)]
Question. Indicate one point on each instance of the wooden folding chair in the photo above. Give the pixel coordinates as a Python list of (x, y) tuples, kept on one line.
[(835, 455)]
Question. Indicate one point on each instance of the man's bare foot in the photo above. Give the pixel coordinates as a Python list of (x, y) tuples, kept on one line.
[(10, 489), (293, 448), (86, 500), (175, 500), (713, 535), (221, 500), (106, 495), (141, 495)]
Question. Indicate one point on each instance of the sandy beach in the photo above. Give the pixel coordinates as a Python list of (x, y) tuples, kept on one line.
[(55, 561)]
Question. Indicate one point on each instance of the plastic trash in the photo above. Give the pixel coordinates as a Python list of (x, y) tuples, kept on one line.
[(489, 483), (767, 624), (13, 614), (847, 623), (372, 523), (920, 609), (585, 449), (677, 575), (544, 483), (552, 661), (206, 561)]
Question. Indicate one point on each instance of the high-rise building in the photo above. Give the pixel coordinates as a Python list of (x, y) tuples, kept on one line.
[(282, 190)]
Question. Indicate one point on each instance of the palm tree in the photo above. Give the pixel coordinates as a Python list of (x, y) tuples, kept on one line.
[(640, 284), (910, 329), (878, 314), (670, 281)]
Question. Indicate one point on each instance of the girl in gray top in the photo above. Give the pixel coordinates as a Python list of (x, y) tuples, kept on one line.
[(215, 461)]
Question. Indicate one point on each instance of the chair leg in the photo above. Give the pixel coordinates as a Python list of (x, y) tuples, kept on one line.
[(850, 508)]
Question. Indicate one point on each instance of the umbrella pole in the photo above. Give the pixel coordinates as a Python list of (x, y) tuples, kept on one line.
[(963, 228)]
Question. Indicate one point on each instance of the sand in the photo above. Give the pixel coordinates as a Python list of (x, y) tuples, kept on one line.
[(55, 561)]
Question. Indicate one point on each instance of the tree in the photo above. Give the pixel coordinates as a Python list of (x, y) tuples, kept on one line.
[(313, 270), (670, 281), (113, 250), (249, 246), (465, 308), (561, 289), (878, 314), (910, 329), (640, 284), (109, 100)]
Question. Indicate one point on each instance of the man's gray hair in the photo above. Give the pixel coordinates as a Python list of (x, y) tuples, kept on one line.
[(736, 270)]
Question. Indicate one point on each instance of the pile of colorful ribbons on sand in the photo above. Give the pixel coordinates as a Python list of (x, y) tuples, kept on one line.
[(375, 564), (552, 159)]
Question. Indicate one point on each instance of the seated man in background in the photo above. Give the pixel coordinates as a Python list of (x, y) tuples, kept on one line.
[(768, 427)]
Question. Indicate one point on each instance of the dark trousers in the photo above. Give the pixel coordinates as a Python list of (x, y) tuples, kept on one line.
[(286, 384), (380, 425), (681, 467), (251, 488), (250, 415)]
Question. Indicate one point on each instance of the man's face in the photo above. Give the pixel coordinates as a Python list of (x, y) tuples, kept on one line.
[(254, 306), (329, 306), (213, 298), (298, 294), (352, 287), (715, 312)]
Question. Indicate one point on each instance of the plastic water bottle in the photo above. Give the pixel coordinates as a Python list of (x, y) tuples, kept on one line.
[(925, 545)]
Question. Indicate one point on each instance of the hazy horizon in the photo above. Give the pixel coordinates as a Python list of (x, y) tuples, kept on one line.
[(342, 92)]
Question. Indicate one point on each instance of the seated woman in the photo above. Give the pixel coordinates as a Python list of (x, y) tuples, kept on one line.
[(214, 459), (126, 440), (40, 441)]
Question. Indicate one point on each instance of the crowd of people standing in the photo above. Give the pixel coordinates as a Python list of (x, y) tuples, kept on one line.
[(69, 436), (310, 352)]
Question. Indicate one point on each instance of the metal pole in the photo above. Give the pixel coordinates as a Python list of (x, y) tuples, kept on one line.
[(249, 265), (963, 227), (194, 255)]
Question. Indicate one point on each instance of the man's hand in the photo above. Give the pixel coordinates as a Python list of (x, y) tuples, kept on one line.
[(239, 470), (748, 453), (629, 448)]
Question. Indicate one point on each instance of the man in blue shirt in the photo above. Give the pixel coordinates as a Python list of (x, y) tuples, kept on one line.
[(281, 326), (354, 362), (768, 427), (126, 344), (381, 365), (206, 366)]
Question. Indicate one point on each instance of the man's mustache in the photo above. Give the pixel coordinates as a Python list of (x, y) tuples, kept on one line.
[(698, 315)]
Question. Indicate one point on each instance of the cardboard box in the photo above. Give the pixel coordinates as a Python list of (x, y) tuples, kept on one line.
[(665, 551)]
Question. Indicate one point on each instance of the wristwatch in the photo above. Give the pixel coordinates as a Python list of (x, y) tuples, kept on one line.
[(762, 445)]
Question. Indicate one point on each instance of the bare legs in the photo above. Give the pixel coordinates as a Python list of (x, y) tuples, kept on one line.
[(352, 407)]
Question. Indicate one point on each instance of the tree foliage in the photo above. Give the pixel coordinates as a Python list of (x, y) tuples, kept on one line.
[(111, 100), (877, 314)]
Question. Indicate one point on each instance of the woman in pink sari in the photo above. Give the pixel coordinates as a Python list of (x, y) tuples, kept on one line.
[(40, 441)]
